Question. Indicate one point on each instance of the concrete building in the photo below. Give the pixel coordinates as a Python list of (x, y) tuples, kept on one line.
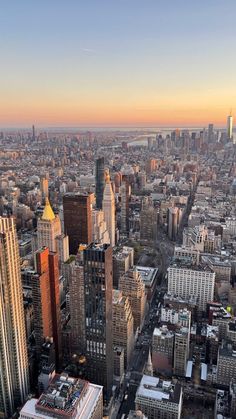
[(66, 398), (180, 317), (181, 351), (174, 220), (48, 228), (98, 315), (125, 194), (149, 277), (132, 286), (76, 304), (14, 381), (159, 399), (108, 206), (162, 350), (123, 325), (78, 219), (185, 280), (148, 221), (226, 363), (100, 233), (123, 260)]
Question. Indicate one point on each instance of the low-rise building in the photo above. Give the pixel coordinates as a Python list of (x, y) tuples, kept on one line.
[(66, 398), (159, 399)]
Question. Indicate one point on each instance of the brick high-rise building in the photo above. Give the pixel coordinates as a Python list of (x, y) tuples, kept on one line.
[(46, 300), (14, 381), (78, 219)]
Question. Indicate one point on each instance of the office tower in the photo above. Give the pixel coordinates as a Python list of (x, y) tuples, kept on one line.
[(181, 351), (100, 181), (119, 363), (48, 228), (210, 133), (98, 315), (78, 219), (157, 398), (76, 304), (44, 187), (108, 205), (132, 286), (123, 260), (66, 397), (230, 127), (174, 220), (33, 133), (62, 246), (226, 363), (185, 280), (46, 301), (162, 350), (14, 382), (125, 194), (151, 166), (100, 233), (123, 325), (148, 221)]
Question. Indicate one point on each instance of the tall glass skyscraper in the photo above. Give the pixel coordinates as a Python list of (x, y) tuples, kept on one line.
[(14, 381), (100, 181)]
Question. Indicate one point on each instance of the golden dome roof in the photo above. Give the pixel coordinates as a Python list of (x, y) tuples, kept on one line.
[(48, 214)]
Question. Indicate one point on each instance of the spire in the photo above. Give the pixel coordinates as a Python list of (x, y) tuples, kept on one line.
[(48, 214), (148, 367), (107, 176)]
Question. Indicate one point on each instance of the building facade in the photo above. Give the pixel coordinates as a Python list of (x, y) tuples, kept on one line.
[(78, 219), (98, 315), (14, 380)]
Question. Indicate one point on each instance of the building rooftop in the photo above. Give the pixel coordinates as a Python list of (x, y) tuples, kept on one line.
[(48, 214), (163, 332), (63, 397), (157, 389), (148, 274)]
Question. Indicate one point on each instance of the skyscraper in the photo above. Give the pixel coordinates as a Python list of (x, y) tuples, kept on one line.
[(46, 300), (230, 127), (108, 205), (14, 382), (100, 181), (78, 219), (98, 315), (49, 227), (125, 193)]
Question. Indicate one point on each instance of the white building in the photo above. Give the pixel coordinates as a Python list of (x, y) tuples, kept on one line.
[(108, 206), (185, 281), (49, 227), (100, 233), (159, 399), (66, 398)]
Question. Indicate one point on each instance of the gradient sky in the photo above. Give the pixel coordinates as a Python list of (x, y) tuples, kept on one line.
[(117, 62)]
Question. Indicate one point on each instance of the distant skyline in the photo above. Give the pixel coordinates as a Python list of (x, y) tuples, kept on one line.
[(160, 63)]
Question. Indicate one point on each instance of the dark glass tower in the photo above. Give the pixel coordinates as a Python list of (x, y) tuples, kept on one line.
[(77, 208), (100, 181), (98, 315)]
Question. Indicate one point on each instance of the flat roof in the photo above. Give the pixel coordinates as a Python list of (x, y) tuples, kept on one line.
[(148, 274), (189, 369), (84, 409), (157, 389)]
